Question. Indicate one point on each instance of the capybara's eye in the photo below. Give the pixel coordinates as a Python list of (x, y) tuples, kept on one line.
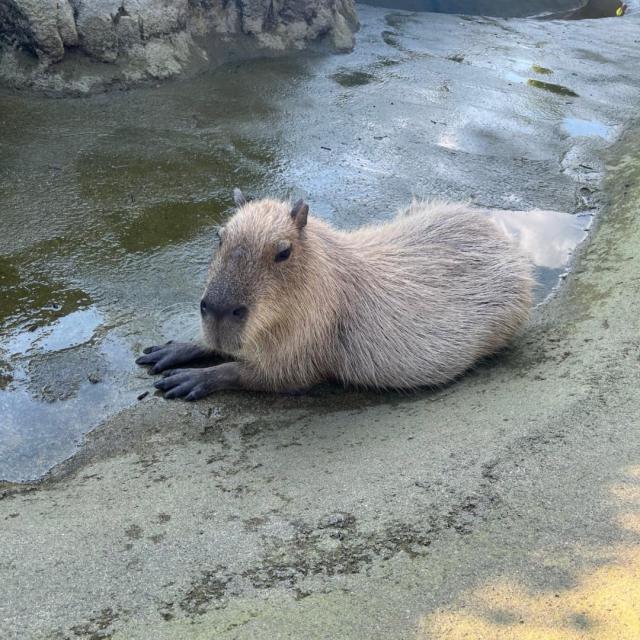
[(283, 255)]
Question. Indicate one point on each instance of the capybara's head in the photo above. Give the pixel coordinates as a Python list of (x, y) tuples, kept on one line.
[(254, 274)]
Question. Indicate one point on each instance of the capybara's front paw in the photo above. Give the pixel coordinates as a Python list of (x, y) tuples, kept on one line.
[(189, 384), (172, 354), (193, 384)]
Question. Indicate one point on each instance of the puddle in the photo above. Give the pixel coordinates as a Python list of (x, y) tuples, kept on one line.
[(68, 331), (107, 232), (54, 397), (588, 128), (549, 238), (542, 9), (158, 225), (493, 8)]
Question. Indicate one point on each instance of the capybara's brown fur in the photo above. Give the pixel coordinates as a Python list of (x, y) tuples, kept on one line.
[(412, 302)]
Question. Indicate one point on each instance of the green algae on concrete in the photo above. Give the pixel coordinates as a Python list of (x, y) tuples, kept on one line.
[(558, 89), (383, 62), (542, 70), (354, 78), (38, 301), (391, 38), (165, 223)]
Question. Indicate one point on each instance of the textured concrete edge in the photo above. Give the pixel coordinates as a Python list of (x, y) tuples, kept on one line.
[(562, 303)]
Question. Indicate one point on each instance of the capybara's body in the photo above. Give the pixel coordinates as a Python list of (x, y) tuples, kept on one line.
[(425, 296), (413, 302)]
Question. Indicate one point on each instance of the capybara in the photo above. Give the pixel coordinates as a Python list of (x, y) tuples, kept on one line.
[(412, 302)]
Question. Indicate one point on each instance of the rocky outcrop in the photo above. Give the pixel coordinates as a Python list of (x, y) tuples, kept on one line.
[(83, 45), (44, 27)]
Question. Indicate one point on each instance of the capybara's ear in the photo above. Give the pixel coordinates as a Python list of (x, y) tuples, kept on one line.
[(239, 198), (299, 213)]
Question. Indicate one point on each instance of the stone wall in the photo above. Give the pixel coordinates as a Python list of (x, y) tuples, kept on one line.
[(83, 45)]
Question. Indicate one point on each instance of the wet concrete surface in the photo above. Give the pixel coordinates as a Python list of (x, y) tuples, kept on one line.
[(106, 235), (338, 514)]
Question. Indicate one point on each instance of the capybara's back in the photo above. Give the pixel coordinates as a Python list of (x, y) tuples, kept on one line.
[(440, 286)]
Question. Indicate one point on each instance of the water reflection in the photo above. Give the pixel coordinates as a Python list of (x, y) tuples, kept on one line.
[(549, 238), (588, 128), (68, 331), (54, 397)]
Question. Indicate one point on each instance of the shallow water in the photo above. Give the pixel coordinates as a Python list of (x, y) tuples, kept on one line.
[(549, 238), (555, 9), (498, 8), (109, 202), (588, 128)]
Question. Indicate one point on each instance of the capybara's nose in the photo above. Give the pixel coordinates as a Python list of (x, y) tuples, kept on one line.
[(210, 309), (221, 311)]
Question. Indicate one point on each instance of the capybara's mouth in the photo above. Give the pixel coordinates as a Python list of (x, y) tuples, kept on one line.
[(221, 343)]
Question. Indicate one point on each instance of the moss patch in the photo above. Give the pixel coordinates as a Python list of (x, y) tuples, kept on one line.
[(353, 78), (558, 89)]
